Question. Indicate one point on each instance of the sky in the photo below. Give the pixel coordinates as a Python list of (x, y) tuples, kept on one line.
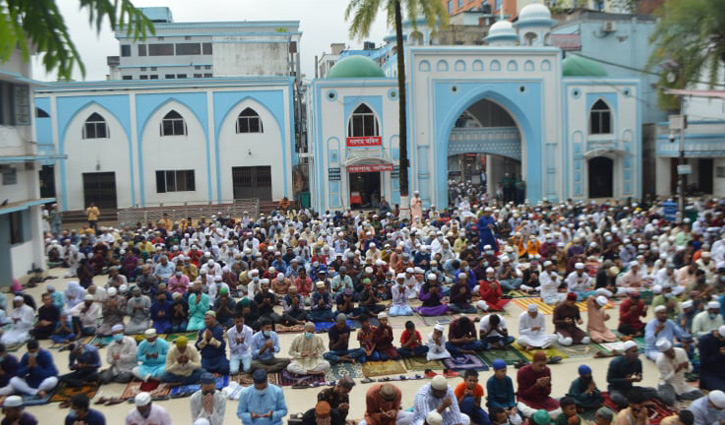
[(322, 22)]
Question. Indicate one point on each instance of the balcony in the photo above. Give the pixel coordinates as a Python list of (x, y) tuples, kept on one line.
[(703, 139)]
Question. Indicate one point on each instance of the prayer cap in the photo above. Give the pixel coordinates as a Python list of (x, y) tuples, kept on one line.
[(686, 304), (387, 392), (602, 300), (532, 307), (571, 296), (13, 401), (660, 308), (541, 417), (584, 370), (259, 376), (382, 315), (629, 345), (713, 304), (439, 328), (181, 341), (117, 328), (142, 399), (717, 398), (434, 418), (346, 382), (606, 413), (663, 345), (207, 378), (439, 382), (498, 364), (150, 333)]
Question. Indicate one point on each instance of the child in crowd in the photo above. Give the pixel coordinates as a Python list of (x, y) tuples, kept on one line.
[(437, 344), (568, 415), (411, 343), (500, 388), (469, 394)]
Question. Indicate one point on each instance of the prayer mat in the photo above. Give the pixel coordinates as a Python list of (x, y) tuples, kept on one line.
[(549, 309), (465, 362), (657, 409), (190, 336), (14, 347), (183, 390), (64, 393), (29, 400), (390, 367), (102, 341), (341, 370), (281, 329), (243, 379), (133, 388), (421, 363), (518, 294), (287, 379), (578, 350), (324, 326), (510, 356), (437, 320), (529, 355)]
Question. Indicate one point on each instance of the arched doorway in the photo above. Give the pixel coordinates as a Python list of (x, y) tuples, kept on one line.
[(485, 151), (601, 177)]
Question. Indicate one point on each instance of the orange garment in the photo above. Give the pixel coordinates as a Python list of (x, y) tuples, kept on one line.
[(533, 247), (461, 388)]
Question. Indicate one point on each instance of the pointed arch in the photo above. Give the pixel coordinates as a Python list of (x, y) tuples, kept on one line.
[(249, 121), (173, 124), (363, 122), (95, 127), (600, 118)]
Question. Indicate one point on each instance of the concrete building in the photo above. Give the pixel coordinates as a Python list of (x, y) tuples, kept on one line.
[(564, 127), (21, 204), (512, 8)]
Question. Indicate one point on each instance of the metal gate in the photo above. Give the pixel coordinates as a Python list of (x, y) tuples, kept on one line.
[(100, 188), (252, 182)]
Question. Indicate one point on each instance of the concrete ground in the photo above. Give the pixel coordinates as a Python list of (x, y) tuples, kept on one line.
[(301, 400)]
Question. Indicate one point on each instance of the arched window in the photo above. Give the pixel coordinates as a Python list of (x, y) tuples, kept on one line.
[(95, 127), (363, 123), (530, 38), (40, 113), (249, 122), (600, 118), (173, 124)]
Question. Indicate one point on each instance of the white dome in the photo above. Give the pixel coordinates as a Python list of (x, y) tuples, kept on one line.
[(502, 28), (534, 12)]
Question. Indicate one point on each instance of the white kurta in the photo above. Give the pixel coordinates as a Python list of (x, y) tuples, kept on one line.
[(533, 338), (667, 367), (158, 416), (435, 351), (22, 320)]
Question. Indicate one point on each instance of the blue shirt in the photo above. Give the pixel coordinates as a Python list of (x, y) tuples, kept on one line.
[(161, 348), (44, 368), (252, 400), (164, 272), (500, 392), (88, 357), (258, 341), (669, 333), (94, 417)]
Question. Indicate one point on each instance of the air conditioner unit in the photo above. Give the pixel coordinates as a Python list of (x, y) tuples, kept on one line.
[(609, 26)]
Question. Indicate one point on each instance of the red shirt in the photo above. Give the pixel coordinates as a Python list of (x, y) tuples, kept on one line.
[(631, 318), (405, 336)]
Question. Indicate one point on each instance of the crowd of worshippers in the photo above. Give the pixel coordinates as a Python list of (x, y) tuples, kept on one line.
[(224, 278)]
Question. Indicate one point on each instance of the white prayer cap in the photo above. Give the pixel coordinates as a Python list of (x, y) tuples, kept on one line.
[(547, 263), (409, 270), (142, 399), (382, 315), (579, 266), (686, 304), (461, 275), (18, 298), (713, 304), (677, 290), (117, 328), (532, 307), (15, 401), (660, 308), (439, 382), (602, 300), (432, 276), (112, 291), (657, 289), (721, 330), (368, 269), (201, 421), (400, 276), (150, 333), (663, 345), (717, 398), (490, 270), (280, 276), (439, 327), (87, 297), (629, 344), (487, 247), (434, 418)]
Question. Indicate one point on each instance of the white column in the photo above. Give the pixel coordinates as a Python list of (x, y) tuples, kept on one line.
[(490, 179), (663, 176)]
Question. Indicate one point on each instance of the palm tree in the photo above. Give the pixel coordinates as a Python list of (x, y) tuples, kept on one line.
[(363, 13), (689, 43)]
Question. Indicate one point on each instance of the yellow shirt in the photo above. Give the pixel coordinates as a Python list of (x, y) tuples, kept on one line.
[(92, 213)]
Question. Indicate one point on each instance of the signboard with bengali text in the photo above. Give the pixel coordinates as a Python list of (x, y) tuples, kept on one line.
[(363, 142), (372, 168)]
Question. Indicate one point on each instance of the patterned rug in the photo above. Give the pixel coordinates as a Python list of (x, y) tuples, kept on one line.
[(465, 362), (529, 355), (29, 400), (281, 329), (518, 294), (578, 350), (64, 392), (657, 409), (191, 336), (286, 379), (391, 367), (549, 309), (324, 326), (608, 347), (133, 388), (341, 370), (436, 320), (510, 356), (421, 363)]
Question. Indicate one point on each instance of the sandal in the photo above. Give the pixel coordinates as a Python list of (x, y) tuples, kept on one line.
[(554, 360), (520, 363), (101, 400), (114, 401), (366, 381)]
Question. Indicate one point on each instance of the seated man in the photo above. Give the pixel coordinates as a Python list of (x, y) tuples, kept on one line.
[(491, 293), (673, 364), (493, 332), (566, 319), (382, 406), (198, 305), (37, 374), (338, 396), (708, 410), (340, 351), (431, 294), (183, 363), (14, 411), (120, 356), (240, 345), (48, 316), (662, 327), (261, 403), (9, 366), (320, 304), (411, 343), (707, 321), (623, 372), (151, 354), (293, 305), (460, 297), (437, 395), (208, 403), (138, 308), (84, 364), (400, 295), (635, 412), (462, 338), (265, 344), (534, 388), (596, 320), (306, 352), (630, 311), (22, 318), (437, 344), (322, 413), (712, 360), (532, 329), (225, 307), (383, 338), (469, 394), (161, 313), (584, 390), (210, 343)]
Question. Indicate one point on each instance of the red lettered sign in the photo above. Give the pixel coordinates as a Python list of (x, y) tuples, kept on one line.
[(373, 168), (361, 142)]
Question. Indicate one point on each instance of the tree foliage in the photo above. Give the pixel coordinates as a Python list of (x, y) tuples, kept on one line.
[(38, 26), (689, 45)]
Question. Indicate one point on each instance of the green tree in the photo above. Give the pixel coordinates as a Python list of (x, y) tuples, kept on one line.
[(689, 45), (38, 26), (363, 13)]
